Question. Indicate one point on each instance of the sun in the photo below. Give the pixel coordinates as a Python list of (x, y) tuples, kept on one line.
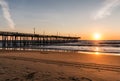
[(97, 36)]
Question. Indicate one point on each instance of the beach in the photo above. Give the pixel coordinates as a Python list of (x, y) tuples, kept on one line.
[(18, 65), (59, 40)]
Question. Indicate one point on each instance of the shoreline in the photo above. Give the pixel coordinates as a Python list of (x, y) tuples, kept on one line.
[(62, 50), (65, 56), (70, 48)]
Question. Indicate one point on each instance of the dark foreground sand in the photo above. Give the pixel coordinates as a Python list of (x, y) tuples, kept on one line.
[(57, 66)]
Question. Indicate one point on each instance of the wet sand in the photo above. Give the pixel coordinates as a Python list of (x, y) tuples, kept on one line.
[(57, 66)]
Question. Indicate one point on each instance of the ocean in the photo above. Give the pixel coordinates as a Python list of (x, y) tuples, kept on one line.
[(90, 46), (83, 46)]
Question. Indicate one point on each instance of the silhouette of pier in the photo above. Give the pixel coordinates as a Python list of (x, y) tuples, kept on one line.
[(16, 39)]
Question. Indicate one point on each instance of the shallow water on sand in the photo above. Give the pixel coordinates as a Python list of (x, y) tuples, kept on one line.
[(84, 46)]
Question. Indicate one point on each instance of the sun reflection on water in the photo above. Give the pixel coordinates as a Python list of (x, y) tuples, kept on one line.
[(97, 53), (97, 50)]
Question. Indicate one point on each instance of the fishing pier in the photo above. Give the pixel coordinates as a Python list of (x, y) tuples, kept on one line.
[(16, 39)]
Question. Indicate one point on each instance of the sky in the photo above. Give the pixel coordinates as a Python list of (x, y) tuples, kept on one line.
[(80, 18)]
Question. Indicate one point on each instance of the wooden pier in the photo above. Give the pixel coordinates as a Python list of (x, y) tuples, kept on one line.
[(16, 39)]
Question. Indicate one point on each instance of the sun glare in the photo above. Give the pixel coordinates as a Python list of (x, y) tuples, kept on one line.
[(97, 36)]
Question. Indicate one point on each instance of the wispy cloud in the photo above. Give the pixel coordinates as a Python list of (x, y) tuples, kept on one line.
[(6, 13), (106, 9)]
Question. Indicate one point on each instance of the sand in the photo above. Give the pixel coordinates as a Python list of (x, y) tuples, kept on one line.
[(58, 66)]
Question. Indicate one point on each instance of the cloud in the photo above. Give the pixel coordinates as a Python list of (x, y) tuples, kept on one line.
[(6, 13), (106, 9)]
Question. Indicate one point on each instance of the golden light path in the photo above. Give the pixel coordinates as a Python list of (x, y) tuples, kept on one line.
[(97, 51)]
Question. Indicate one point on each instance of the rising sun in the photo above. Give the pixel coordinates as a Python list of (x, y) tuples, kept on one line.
[(97, 36)]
